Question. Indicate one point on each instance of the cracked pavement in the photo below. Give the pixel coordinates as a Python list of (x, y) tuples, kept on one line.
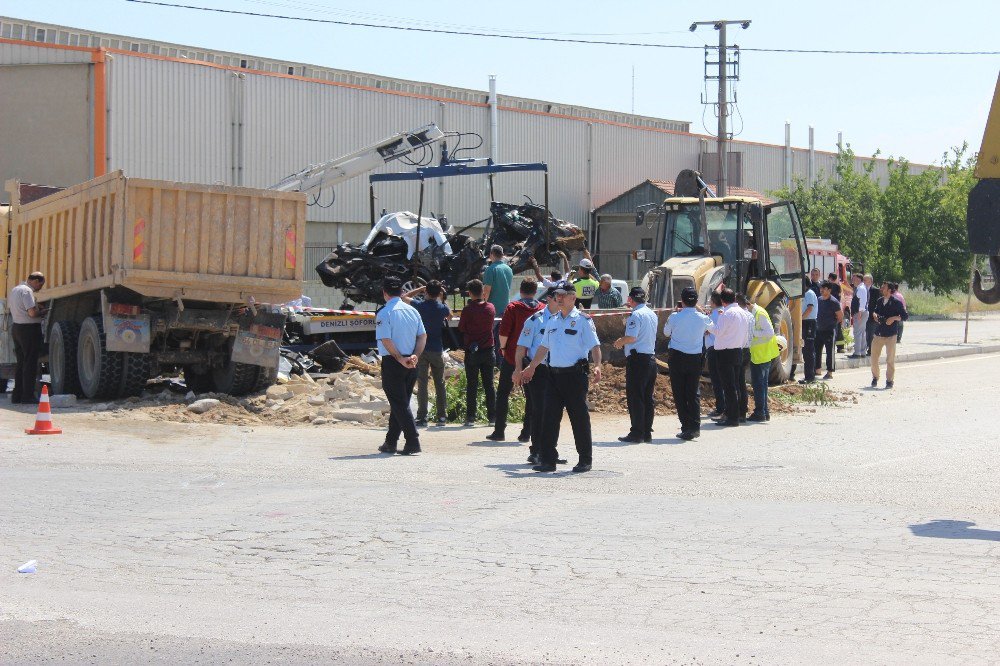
[(861, 533)]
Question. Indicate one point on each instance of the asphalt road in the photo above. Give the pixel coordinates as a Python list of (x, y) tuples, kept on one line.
[(867, 533)]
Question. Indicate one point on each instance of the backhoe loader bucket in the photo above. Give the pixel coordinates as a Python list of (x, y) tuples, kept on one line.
[(983, 219)]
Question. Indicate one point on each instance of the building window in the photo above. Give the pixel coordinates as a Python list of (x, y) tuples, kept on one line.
[(243, 63), (40, 35), (646, 244), (291, 70)]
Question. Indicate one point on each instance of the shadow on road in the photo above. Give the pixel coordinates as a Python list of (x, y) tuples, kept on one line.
[(953, 529), (489, 443), (363, 456)]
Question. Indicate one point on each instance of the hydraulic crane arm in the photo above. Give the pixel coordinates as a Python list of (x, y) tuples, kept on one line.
[(328, 174)]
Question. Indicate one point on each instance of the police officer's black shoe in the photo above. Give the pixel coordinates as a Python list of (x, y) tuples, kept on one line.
[(629, 439), (420, 422), (523, 438), (758, 418), (410, 450), (387, 448), (496, 437), (544, 467), (533, 459), (580, 468), (725, 423), (686, 436), (714, 414)]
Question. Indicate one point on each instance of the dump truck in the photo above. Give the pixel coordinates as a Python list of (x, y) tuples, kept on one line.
[(983, 212), (146, 275), (704, 241)]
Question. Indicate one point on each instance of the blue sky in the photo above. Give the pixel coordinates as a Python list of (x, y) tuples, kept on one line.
[(911, 106)]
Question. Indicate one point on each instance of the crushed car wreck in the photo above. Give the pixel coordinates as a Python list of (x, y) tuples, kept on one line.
[(394, 248), (417, 254)]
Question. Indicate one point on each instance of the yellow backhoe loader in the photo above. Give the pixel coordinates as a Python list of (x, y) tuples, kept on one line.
[(753, 247), (983, 212)]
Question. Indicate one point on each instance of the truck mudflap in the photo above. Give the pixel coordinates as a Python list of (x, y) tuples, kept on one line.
[(258, 341)]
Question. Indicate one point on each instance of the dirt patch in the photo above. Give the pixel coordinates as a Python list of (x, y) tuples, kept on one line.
[(608, 396)]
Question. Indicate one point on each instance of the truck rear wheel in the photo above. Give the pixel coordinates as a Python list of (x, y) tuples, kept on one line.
[(266, 377), (235, 378), (62, 358), (100, 370), (781, 367), (135, 373)]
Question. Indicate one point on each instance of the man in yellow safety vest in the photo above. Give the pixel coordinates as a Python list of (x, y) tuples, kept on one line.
[(763, 349)]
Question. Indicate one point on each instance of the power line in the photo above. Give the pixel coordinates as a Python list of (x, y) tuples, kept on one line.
[(561, 40)]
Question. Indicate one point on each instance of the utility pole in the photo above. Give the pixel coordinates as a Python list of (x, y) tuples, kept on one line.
[(723, 103)]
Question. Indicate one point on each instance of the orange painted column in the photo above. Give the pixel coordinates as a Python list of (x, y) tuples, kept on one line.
[(97, 56)]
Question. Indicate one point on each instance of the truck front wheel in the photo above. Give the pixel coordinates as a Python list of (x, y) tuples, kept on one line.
[(100, 370)]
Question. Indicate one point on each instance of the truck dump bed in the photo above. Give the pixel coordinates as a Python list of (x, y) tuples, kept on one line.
[(162, 240)]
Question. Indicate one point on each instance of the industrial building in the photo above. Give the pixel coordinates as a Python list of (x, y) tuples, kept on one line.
[(76, 104)]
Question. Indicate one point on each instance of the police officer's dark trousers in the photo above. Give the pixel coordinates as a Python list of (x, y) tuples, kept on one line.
[(809, 348), (685, 379), (567, 388), (640, 379), (534, 392), (27, 348), (504, 387), (398, 382)]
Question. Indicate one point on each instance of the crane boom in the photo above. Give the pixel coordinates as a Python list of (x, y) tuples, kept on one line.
[(317, 176)]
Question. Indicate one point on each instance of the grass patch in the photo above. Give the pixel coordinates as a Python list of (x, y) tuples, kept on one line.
[(455, 393), (919, 302)]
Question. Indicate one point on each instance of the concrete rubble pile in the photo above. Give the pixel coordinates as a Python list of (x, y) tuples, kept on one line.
[(352, 396)]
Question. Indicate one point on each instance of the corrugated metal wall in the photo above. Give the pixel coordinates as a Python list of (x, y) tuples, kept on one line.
[(20, 54), (169, 121)]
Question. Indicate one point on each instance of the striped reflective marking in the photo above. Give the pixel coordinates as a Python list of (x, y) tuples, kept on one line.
[(290, 248), (138, 240)]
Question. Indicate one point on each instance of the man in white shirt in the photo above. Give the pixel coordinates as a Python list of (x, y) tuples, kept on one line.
[(859, 316), (27, 333), (732, 333)]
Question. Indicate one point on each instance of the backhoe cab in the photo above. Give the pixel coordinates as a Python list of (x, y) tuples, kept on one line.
[(749, 246)]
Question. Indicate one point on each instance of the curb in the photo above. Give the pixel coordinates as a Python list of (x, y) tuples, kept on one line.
[(970, 350)]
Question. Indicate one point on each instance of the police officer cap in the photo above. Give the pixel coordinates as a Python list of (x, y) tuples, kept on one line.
[(391, 283), (637, 293), (563, 287), (689, 295)]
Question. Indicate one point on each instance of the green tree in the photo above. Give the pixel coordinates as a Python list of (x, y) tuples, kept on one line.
[(911, 231), (843, 207)]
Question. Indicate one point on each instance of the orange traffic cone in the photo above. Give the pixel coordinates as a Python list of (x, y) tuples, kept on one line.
[(43, 420)]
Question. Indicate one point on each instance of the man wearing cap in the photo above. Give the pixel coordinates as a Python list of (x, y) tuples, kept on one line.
[(607, 296), (497, 280), (585, 284), (528, 344), (401, 337), (640, 367), (686, 329), (27, 315), (569, 338), (763, 350)]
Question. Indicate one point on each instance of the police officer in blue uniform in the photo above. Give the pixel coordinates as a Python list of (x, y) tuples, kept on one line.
[(686, 329), (528, 344), (639, 342), (401, 337), (569, 338)]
